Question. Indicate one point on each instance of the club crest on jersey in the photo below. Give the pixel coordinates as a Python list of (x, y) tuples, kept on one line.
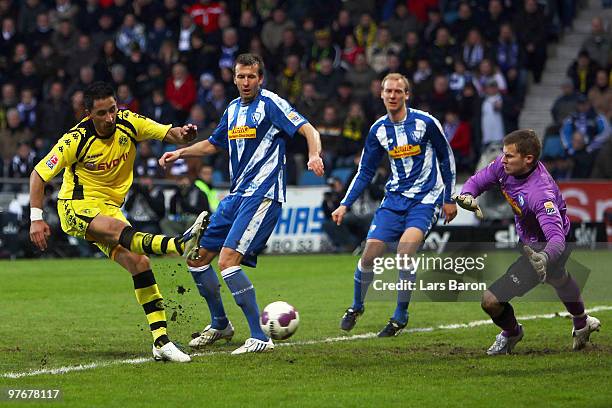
[(256, 116), (123, 140), (400, 152), (521, 200), (515, 207), (549, 207), (52, 162), (242, 132)]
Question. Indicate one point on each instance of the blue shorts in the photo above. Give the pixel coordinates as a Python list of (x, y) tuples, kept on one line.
[(243, 224), (389, 224)]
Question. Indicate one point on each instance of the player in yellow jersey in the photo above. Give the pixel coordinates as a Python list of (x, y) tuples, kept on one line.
[(97, 156)]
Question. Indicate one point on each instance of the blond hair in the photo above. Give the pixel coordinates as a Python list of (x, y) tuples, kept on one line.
[(397, 77)]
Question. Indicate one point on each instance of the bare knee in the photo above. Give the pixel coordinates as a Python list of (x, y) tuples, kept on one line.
[(205, 257), (490, 304), (228, 258)]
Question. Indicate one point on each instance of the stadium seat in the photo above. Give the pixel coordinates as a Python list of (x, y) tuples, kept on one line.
[(553, 148), (308, 178), (343, 173)]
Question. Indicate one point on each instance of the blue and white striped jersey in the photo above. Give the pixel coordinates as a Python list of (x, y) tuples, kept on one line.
[(253, 134), (422, 162)]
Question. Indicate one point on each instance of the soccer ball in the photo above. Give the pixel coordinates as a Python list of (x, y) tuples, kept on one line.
[(279, 320)]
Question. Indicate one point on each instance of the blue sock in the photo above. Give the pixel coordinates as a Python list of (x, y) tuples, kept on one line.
[(244, 295), (403, 298), (208, 284), (362, 280)]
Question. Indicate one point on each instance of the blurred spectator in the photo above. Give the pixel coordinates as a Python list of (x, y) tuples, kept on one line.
[(15, 134), (88, 15), (47, 62), (343, 99), (197, 116), (466, 21), (83, 54), (581, 157), (598, 44), (330, 129), (323, 49), (372, 104), (582, 72), (118, 74), (54, 115), (459, 78), (410, 53), (21, 165), (146, 164), (342, 27), (168, 55), (350, 52), (136, 68), (327, 78), (289, 46), (125, 99), (602, 168), (157, 34), (86, 78), (377, 52), (64, 10), (474, 49), (28, 77), (154, 80), (566, 103), (205, 14), (402, 22), (342, 236), (496, 16), (459, 135), (365, 31), (509, 57), (105, 30), (291, 79), (487, 72), (181, 91), (531, 28), (441, 99), (131, 33), (272, 30), (248, 28), (187, 30), (145, 205), (158, 109), (42, 33), (77, 102), (600, 94), (27, 108), (422, 77), (28, 12), (185, 205), (64, 38), (229, 48), (593, 127), (491, 116), (216, 103), (108, 56), (360, 76), (354, 132), (442, 52), (309, 103), (434, 22)]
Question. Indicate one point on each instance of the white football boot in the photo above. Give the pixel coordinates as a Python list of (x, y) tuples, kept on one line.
[(252, 345), (191, 237), (503, 344), (581, 336), (210, 335), (169, 352)]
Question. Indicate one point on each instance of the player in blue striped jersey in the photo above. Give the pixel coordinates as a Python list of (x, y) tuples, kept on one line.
[(252, 129), (422, 180)]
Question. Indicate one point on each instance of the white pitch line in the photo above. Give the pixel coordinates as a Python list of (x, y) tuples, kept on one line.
[(141, 360)]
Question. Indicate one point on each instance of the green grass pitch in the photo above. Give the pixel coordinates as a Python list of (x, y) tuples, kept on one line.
[(64, 313)]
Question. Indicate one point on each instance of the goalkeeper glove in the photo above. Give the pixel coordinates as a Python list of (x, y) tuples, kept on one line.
[(538, 260), (467, 202)]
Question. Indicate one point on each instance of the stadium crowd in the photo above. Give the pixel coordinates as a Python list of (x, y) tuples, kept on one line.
[(172, 60)]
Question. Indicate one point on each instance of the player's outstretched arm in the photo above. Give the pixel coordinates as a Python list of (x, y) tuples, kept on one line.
[(202, 148), (181, 135), (39, 229), (315, 163)]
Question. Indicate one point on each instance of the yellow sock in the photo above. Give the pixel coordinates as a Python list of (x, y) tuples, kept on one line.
[(149, 297)]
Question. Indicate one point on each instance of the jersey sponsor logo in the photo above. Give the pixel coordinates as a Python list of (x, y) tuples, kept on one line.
[(53, 160), (549, 207), (400, 152), (294, 117), (105, 166), (242, 132), (515, 207)]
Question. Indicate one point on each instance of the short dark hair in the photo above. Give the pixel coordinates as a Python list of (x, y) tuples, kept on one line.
[(249, 60), (526, 141), (97, 90)]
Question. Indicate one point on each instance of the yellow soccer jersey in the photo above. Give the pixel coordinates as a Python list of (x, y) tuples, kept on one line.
[(97, 167)]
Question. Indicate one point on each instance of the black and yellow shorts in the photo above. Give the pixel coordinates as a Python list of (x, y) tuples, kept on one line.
[(75, 216)]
